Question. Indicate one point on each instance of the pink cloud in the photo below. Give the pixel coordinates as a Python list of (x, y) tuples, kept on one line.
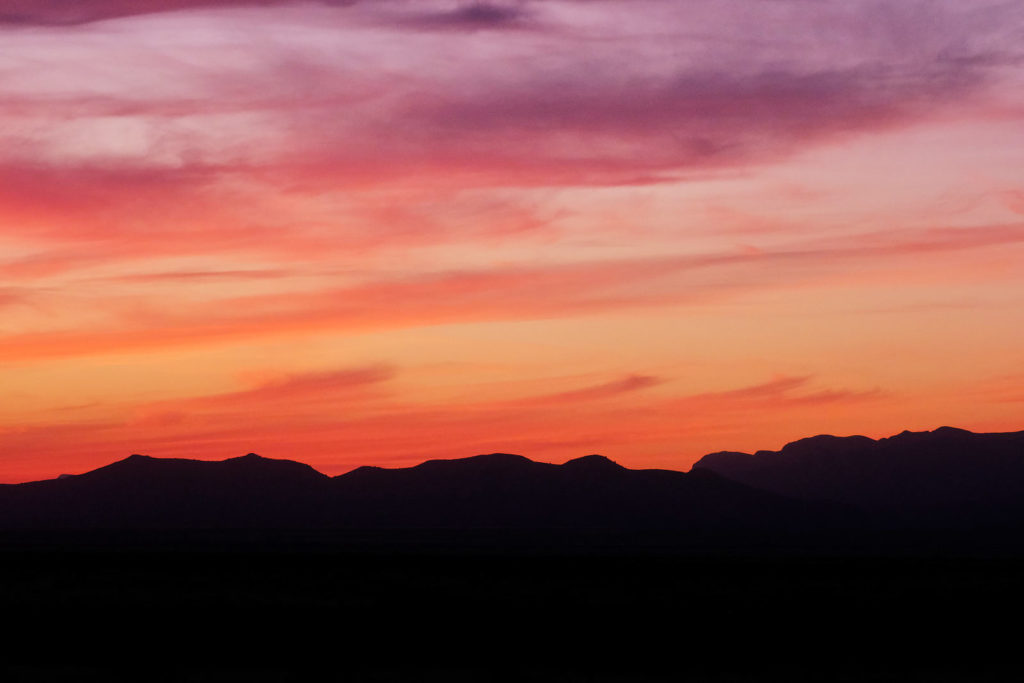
[(271, 400), (201, 275), (626, 385), (83, 11), (511, 293), (311, 386), (780, 394), (10, 296), (1014, 199), (558, 113), (767, 390)]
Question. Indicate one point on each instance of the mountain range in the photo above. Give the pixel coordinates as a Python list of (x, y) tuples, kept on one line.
[(820, 487), (947, 473)]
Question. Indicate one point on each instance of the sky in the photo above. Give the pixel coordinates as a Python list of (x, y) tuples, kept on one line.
[(385, 231)]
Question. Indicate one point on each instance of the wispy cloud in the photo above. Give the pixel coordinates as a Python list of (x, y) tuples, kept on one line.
[(65, 12), (512, 293), (469, 16), (781, 392), (273, 399), (597, 392), (536, 110)]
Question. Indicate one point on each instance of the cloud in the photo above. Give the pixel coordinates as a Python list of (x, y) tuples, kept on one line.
[(200, 275), (472, 16), (71, 12), (626, 385), (779, 393), (508, 293), (1014, 200), (309, 386), (611, 97), (13, 296), (767, 390), (469, 15), (297, 391), (574, 125)]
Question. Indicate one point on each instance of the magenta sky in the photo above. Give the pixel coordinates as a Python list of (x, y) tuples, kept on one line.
[(376, 232)]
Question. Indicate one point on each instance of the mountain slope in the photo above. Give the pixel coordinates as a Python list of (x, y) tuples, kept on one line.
[(497, 491), (144, 492), (501, 490), (946, 472), (833, 488)]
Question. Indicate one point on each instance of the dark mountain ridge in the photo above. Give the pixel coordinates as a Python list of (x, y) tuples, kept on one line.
[(509, 491), (821, 491), (495, 491), (145, 492), (945, 473)]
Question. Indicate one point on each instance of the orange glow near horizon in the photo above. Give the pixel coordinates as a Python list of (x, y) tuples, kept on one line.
[(377, 233)]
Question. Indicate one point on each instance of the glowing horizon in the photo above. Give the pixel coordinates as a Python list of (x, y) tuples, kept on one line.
[(372, 233)]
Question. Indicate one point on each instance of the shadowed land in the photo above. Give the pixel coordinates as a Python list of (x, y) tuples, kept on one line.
[(587, 571), (948, 491), (421, 616)]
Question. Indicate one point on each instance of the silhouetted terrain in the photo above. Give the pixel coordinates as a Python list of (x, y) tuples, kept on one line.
[(140, 492), (943, 477), (497, 568), (947, 490), (488, 492), (510, 491)]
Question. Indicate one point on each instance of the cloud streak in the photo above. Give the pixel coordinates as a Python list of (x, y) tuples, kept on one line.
[(72, 12), (598, 392), (779, 393), (537, 109), (513, 293)]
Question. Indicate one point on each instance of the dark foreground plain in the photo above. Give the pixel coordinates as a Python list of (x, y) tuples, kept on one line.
[(204, 611)]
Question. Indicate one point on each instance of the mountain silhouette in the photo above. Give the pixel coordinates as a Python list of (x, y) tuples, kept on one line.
[(509, 491), (145, 492), (943, 475), (496, 491), (821, 491), (578, 566)]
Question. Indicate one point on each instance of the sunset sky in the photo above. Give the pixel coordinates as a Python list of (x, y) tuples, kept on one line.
[(379, 232)]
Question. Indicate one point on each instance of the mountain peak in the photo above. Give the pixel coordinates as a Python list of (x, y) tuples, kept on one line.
[(488, 462), (500, 459), (930, 470), (951, 431), (943, 432), (133, 460), (249, 457), (826, 443), (593, 462)]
